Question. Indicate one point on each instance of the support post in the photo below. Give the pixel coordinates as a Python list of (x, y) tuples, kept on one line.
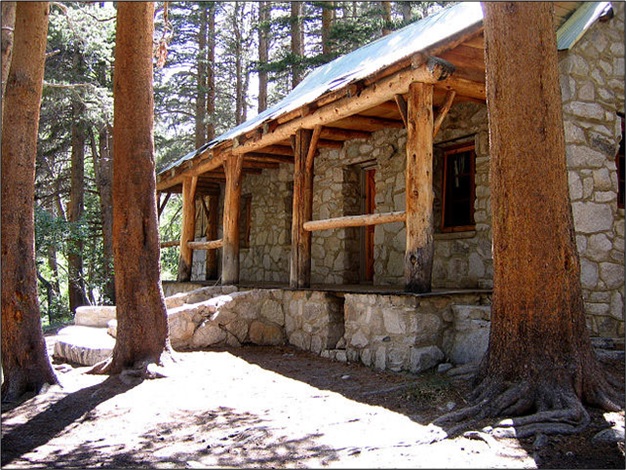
[(211, 234), (233, 165), (418, 258), (188, 229), (300, 269)]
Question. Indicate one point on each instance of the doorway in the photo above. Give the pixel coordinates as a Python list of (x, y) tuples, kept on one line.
[(369, 202)]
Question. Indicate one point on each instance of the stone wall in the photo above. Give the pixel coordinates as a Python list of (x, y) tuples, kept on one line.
[(592, 86)]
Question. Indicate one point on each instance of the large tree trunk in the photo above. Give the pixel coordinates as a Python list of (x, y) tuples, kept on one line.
[(25, 362), (540, 359), (142, 332)]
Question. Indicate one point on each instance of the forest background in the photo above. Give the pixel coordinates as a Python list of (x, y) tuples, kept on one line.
[(216, 65)]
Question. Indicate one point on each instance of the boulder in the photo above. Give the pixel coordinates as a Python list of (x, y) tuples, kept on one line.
[(97, 316), (83, 345)]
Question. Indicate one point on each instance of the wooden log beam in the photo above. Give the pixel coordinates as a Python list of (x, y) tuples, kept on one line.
[(300, 265), (402, 107), (170, 243), (434, 70), (208, 245), (443, 111), (355, 221), (233, 167), (163, 203), (418, 258), (188, 228), (336, 133)]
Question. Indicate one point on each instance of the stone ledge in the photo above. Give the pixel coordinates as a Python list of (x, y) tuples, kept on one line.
[(83, 345)]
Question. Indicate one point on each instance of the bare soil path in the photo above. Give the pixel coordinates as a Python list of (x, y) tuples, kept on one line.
[(260, 407)]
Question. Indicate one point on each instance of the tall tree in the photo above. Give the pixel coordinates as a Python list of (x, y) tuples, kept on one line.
[(297, 43), (202, 82), (264, 49), (142, 338), (540, 367), (210, 79), (25, 362)]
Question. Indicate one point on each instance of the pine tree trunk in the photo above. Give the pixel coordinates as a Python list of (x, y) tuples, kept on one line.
[(201, 106), (328, 15), (264, 19), (210, 80), (25, 363), (540, 364), (296, 43), (386, 16), (142, 332)]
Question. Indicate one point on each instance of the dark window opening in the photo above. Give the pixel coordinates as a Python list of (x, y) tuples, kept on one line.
[(458, 189)]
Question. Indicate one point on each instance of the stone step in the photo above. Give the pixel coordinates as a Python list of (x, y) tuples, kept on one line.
[(83, 345)]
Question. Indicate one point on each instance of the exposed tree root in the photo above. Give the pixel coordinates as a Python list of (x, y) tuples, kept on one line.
[(139, 370), (533, 409)]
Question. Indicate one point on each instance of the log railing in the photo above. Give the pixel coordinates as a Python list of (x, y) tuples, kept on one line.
[(355, 221), (209, 245)]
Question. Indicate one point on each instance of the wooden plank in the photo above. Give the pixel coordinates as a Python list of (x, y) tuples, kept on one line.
[(418, 258), (355, 221), (188, 228), (300, 265), (443, 111), (233, 167), (208, 245)]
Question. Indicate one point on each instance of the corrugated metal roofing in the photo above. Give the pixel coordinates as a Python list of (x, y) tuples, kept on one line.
[(389, 49), (359, 64), (580, 21)]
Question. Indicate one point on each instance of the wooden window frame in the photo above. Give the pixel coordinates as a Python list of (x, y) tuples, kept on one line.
[(448, 152)]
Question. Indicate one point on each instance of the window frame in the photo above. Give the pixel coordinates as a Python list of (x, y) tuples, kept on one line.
[(448, 152)]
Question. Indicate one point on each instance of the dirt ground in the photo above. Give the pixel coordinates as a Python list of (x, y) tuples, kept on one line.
[(262, 407)]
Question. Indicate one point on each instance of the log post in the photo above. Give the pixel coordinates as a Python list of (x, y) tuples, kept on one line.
[(211, 234), (233, 165), (300, 269), (418, 258), (188, 228)]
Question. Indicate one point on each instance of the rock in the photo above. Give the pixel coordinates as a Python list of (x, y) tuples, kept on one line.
[(83, 345), (425, 358), (265, 334), (207, 334), (441, 368), (112, 328), (611, 436), (471, 333), (96, 316)]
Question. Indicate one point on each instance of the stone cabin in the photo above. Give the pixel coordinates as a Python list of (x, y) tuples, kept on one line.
[(340, 284)]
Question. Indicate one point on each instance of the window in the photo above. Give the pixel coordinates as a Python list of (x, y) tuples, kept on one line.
[(458, 189), (619, 163)]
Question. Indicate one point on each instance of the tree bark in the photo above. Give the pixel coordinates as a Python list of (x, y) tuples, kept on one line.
[(210, 80), (8, 25), (142, 333), (201, 85), (296, 43), (328, 16), (232, 203), (540, 366), (25, 363), (264, 25)]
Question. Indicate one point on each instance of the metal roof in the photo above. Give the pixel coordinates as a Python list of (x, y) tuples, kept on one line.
[(406, 42), (359, 64)]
